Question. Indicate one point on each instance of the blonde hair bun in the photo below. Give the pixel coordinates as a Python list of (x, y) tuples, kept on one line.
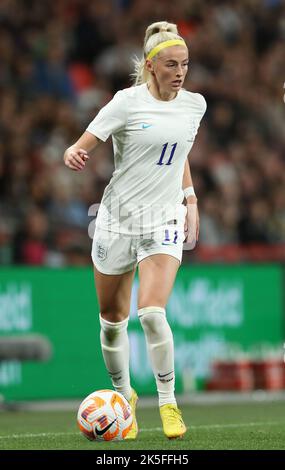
[(160, 27)]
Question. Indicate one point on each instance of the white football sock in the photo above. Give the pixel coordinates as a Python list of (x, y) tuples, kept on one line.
[(159, 340), (115, 350)]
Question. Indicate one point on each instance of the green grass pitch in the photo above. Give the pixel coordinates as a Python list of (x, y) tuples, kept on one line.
[(255, 426)]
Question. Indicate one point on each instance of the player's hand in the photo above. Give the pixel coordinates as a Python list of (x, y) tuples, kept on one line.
[(75, 158), (192, 225)]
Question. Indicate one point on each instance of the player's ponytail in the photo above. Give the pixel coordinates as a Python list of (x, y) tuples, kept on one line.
[(154, 35)]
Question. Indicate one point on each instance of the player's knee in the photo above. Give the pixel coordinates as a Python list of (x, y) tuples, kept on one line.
[(146, 299), (113, 316)]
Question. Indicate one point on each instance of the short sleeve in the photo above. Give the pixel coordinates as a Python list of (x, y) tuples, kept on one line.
[(202, 103), (111, 118)]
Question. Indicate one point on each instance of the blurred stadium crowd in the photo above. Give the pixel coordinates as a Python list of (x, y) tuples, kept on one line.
[(60, 62)]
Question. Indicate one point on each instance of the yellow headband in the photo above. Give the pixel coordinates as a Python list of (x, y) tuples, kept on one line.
[(162, 45)]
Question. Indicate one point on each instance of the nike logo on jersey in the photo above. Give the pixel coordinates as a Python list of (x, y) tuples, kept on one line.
[(145, 126), (100, 432)]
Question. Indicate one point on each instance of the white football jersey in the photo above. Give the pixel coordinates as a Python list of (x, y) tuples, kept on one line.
[(151, 141)]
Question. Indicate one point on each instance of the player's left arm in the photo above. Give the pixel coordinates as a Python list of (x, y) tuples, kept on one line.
[(192, 225)]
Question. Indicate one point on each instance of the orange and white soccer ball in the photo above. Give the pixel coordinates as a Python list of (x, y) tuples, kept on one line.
[(105, 415)]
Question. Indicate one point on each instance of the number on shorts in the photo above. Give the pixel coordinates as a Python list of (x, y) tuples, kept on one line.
[(167, 240)]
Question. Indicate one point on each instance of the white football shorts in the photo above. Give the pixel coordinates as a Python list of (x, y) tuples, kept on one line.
[(115, 253)]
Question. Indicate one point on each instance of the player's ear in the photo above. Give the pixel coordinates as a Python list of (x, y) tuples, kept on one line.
[(149, 66)]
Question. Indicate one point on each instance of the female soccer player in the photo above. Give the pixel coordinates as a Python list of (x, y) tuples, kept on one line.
[(141, 219)]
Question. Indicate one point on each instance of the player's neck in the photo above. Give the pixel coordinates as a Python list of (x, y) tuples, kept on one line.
[(160, 94)]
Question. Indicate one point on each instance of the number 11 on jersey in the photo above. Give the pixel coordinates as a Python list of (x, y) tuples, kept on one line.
[(164, 148)]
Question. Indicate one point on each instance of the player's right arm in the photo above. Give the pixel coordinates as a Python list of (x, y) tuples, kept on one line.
[(77, 154)]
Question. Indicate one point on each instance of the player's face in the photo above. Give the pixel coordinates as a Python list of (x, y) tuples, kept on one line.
[(170, 68)]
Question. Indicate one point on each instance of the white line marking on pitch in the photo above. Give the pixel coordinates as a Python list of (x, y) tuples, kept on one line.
[(201, 426)]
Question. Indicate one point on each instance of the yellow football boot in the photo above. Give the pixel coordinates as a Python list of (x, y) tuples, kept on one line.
[(132, 434), (172, 422)]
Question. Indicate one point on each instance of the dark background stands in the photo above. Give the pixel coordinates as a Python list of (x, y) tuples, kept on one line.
[(60, 62)]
